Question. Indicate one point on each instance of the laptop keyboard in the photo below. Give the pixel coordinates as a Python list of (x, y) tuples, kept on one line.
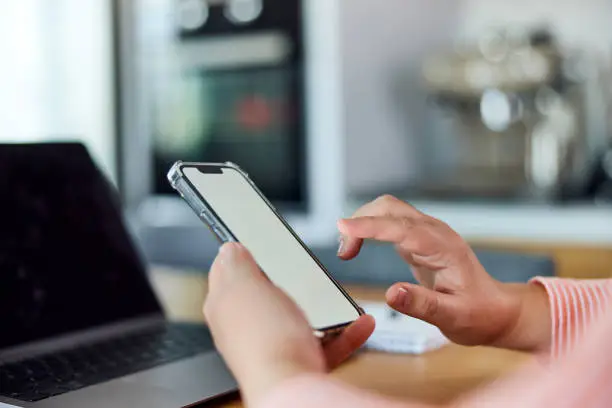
[(68, 370)]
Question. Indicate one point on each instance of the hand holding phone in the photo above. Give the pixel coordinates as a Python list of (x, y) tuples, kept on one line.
[(262, 335), (236, 211)]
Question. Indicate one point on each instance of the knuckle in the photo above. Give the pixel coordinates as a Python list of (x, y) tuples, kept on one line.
[(443, 228), (208, 310), (429, 307), (213, 306), (387, 200), (433, 222), (405, 223)]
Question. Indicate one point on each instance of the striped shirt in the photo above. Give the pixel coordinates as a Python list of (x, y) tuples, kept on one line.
[(580, 375), (574, 306)]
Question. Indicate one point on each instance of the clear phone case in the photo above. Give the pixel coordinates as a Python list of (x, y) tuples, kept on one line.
[(179, 182)]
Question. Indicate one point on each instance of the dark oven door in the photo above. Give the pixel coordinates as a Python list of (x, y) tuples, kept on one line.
[(241, 79)]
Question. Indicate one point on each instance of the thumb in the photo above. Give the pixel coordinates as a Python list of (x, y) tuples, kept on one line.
[(419, 302), (234, 263)]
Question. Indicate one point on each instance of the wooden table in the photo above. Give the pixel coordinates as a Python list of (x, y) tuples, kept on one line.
[(435, 377)]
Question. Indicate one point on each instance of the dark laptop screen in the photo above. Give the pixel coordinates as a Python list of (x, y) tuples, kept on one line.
[(66, 260)]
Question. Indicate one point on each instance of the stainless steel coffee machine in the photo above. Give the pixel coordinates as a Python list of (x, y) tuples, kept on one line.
[(509, 118)]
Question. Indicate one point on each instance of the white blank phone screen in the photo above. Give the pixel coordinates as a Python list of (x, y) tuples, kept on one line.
[(273, 246)]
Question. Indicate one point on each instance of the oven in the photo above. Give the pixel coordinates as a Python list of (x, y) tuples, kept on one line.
[(255, 82)]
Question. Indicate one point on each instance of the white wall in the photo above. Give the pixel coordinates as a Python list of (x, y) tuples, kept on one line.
[(583, 24), (56, 74), (382, 43)]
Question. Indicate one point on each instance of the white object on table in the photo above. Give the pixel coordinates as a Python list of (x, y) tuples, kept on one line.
[(398, 333)]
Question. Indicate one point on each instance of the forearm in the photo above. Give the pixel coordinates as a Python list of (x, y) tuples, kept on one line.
[(255, 386), (310, 391), (259, 373)]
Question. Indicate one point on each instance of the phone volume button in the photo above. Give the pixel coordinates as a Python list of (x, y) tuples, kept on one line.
[(206, 216), (220, 234)]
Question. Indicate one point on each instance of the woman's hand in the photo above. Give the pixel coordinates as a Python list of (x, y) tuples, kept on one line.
[(456, 293), (261, 333)]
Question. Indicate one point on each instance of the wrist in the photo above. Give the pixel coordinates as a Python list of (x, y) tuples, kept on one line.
[(255, 386), (260, 373), (528, 327)]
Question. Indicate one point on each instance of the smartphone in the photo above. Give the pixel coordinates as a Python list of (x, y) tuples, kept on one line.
[(229, 203)]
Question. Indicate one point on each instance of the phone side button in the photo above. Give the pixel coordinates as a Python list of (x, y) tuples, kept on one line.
[(220, 234), (206, 216)]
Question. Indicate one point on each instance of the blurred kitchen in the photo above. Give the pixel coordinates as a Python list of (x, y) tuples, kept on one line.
[(494, 116)]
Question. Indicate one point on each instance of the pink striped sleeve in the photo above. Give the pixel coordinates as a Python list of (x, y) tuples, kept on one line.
[(580, 379), (574, 305)]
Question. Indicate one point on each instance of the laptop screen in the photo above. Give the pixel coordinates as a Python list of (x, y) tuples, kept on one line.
[(66, 259)]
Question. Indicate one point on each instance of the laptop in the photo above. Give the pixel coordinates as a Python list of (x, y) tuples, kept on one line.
[(80, 325)]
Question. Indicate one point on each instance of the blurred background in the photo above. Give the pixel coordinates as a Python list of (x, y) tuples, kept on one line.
[(492, 115)]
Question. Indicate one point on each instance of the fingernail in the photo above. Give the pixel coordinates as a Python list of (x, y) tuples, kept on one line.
[(342, 245), (402, 297)]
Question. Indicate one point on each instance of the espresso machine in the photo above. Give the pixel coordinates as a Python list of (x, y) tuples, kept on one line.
[(508, 119)]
